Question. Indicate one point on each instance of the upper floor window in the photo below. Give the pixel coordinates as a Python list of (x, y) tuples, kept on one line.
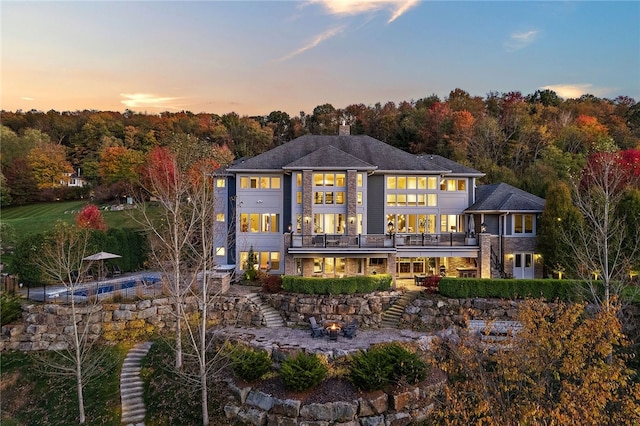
[(328, 197), (219, 217), (523, 224), (260, 182), (329, 179), (453, 185), (259, 222), (221, 183)]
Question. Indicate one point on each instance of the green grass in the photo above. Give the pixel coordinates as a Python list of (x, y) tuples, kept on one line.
[(36, 218), (30, 397)]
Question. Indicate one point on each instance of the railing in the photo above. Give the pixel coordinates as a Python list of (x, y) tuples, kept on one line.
[(380, 240)]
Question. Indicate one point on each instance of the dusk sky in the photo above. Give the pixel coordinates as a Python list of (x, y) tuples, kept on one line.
[(255, 57)]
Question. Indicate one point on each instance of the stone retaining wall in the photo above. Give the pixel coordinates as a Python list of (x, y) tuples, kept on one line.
[(411, 405), (50, 326), (366, 308)]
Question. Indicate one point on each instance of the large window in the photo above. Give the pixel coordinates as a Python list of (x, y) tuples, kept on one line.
[(328, 197), (329, 179), (450, 223), (523, 224), (453, 185), (412, 223), (329, 223), (329, 265), (411, 191), (260, 222), (267, 260), (260, 182)]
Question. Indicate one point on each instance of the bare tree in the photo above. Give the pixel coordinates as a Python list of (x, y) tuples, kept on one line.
[(182, 234), (61, 261), (601, 245)]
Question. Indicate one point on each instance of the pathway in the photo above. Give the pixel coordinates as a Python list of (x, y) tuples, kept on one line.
[(131, 389)]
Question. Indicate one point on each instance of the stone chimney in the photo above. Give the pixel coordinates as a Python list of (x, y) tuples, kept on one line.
[(344, 129)]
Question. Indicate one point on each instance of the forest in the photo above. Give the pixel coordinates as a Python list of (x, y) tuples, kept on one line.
[(529, 141)]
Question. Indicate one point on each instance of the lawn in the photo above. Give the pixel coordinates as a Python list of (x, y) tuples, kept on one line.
[(36, 218)]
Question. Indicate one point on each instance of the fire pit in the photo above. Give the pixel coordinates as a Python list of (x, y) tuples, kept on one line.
[(333, 328)]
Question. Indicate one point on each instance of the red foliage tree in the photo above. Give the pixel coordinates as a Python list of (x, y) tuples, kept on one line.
[(90, 217)]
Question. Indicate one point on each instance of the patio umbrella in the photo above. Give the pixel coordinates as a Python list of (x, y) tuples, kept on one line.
[(101, 257), (472, 226)]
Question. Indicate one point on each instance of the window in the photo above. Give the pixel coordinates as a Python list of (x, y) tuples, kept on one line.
[(359, 195), (220, 183), (266, 260), (259, 222), (220, 251), (523, 224), (376, 261), (449, 223), (328, 197), (262, 182), (329, 223), (360, 180), (299, 197), (340, 179), (391, 182), (453, 184), (298, 179), (220, 217)]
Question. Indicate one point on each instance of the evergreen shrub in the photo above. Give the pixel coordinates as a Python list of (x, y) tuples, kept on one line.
[(249, 364), (10, 308), (548, 289), (385, 364), (345, 285), (303, 371)]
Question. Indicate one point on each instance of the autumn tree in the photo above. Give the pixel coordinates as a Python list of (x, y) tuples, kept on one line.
[(90, 217), (120, 164), (566, 366), (179, 177), (48, 163)]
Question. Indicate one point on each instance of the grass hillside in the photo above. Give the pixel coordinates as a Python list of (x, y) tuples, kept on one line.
[(36, 218)]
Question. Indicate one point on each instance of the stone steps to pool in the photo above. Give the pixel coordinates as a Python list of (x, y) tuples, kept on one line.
[(132, 387), (391, 317), (272, 318)]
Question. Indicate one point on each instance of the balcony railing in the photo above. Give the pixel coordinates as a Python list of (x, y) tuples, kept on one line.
[(381, 240)]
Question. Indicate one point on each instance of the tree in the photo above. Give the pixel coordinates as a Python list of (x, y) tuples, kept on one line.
[(118, 163), (22, 186), (61, 261), (564, 367), (90, 217), (48, 163), (180, 178), (600, 246)]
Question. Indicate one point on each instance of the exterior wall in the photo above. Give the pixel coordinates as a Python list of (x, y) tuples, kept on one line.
[(513, 245), (375, 221)]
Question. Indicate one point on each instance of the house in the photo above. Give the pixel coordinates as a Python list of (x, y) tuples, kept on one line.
[(73, 180), (351, 204)]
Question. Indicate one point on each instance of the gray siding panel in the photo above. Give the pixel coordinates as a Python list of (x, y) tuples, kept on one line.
[(375, 205)]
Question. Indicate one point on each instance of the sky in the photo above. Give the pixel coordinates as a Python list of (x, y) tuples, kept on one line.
[(255, 57)]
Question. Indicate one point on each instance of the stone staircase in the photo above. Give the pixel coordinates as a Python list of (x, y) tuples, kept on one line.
[(391, 317), (271, 317), (131, 388)]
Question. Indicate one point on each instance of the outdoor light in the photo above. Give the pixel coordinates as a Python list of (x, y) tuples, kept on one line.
[(289, 227), (390, 226), (352, 220), (483, 227), (307, 219)]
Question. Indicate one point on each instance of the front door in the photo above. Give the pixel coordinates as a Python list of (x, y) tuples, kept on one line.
[(523, 265)]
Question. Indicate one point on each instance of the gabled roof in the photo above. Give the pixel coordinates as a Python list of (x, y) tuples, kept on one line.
[(503, 198), (358, 152)]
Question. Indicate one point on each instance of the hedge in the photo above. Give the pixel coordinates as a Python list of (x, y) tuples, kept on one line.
[(346, 285), (549, 289)]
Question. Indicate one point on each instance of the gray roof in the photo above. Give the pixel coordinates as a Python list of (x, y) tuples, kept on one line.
[(358, 152), (502, 197)]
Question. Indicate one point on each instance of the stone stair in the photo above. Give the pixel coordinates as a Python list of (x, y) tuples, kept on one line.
[(391, 317), (272, 318), (131, 386)]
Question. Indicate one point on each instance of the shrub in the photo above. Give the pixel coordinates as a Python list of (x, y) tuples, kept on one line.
[(385, 364), (271, 283), (304, 371), (346, 285), (249, 364), (10, 308)]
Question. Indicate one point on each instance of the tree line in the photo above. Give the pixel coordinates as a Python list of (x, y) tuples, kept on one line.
[(530, 141)]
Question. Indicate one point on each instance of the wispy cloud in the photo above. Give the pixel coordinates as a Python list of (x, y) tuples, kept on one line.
[(145, 100), (355, 7), (572, 91), (26, 98), (330, 33), (519, 41)]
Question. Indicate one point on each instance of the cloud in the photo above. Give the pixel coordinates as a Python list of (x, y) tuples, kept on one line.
[(572, 91), (355, 7), (519, 41), (26, 98), (330, 33), (144, 100)]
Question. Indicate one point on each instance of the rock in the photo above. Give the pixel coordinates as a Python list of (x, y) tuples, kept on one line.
[(398, 419), (280, 420), (231, 411), (252, 416), (375, 403), (260, 400), (286, 407), (372, 421)]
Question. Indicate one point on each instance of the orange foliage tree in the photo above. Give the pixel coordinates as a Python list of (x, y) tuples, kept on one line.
[(565, 367), (90, 217)]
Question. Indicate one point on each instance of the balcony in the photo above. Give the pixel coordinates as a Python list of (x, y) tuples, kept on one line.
[(368, 241)]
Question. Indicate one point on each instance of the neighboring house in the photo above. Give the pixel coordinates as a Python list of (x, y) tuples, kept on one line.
[(73, 180), (346, 205)]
